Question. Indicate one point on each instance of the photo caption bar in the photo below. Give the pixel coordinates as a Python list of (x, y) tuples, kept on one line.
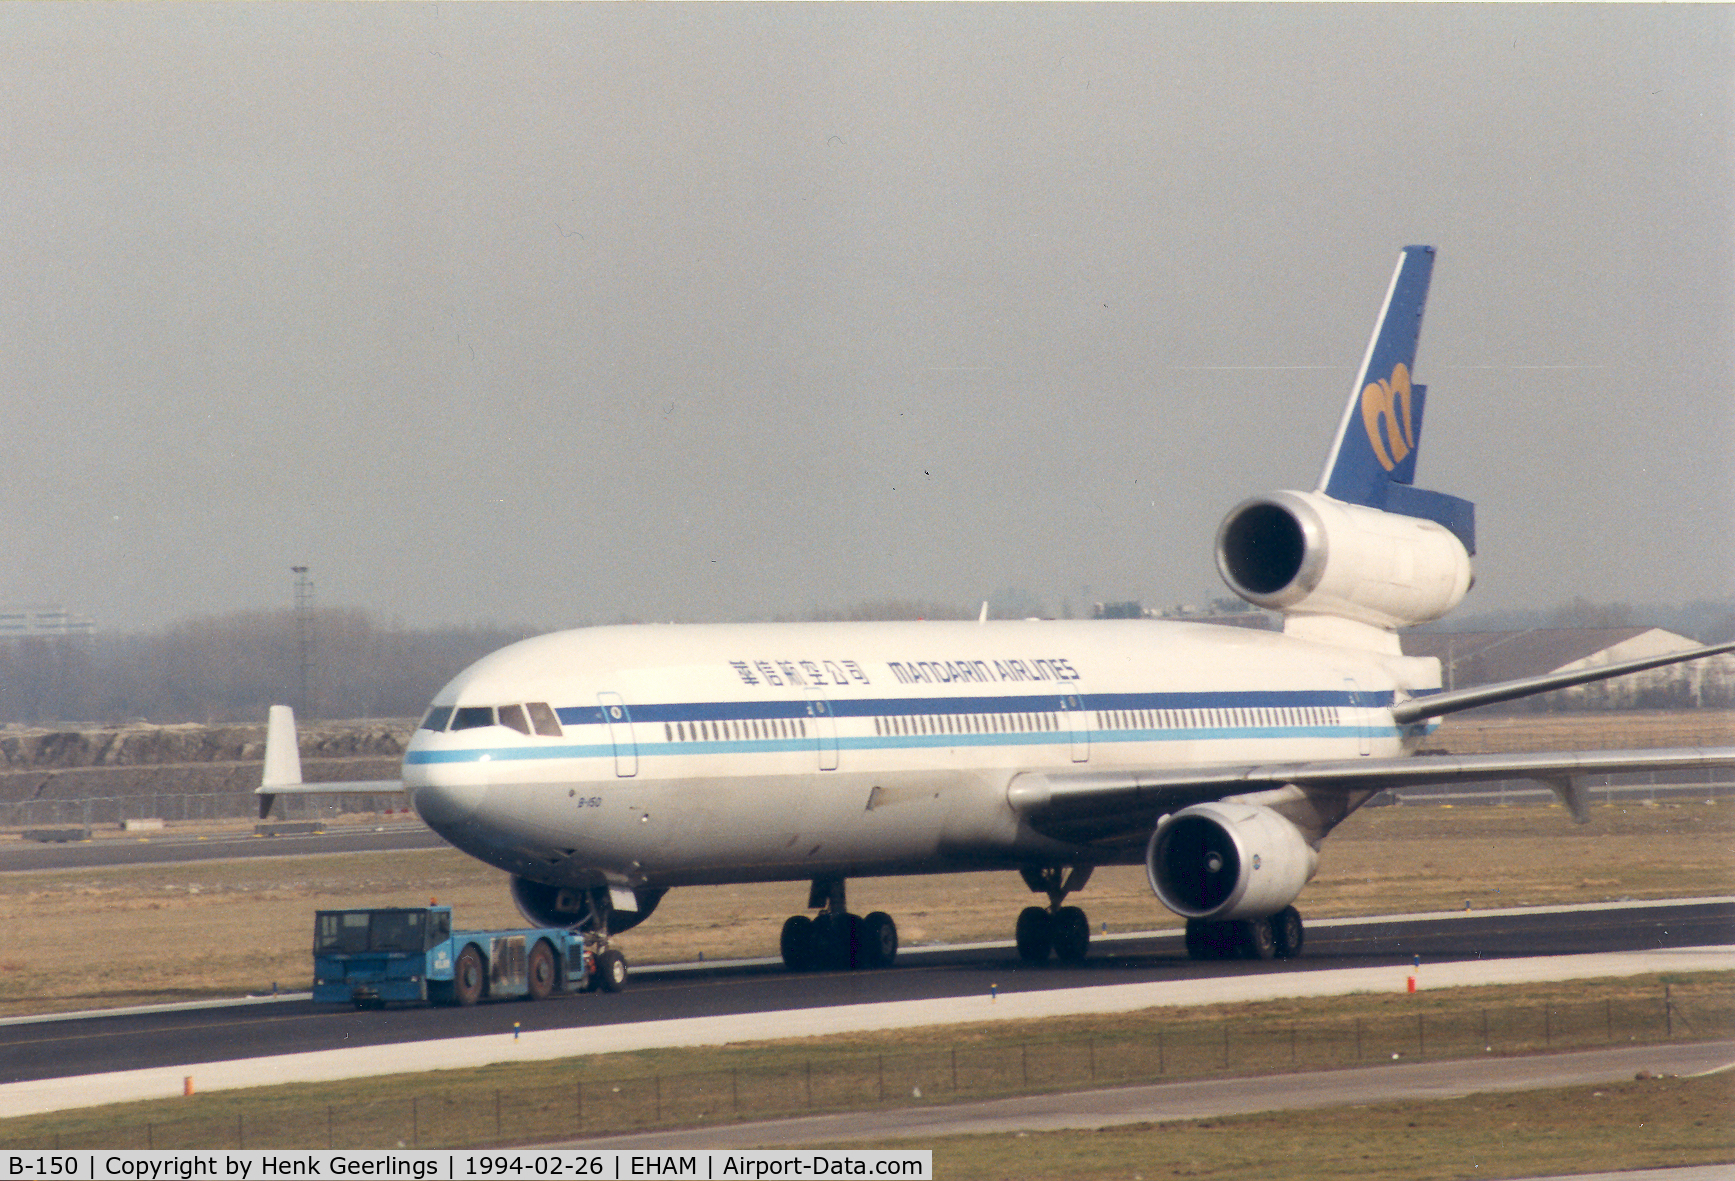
[(411, 1165)]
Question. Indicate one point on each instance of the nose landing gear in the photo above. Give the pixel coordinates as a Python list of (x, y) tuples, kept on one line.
[(1062, 931)]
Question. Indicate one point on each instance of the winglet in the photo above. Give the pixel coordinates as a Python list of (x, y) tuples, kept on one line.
[(282, 756), (1373, 458)]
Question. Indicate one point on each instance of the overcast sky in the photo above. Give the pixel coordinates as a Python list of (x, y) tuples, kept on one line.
[(560, 313)]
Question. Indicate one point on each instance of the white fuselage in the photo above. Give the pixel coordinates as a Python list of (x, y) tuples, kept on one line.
[(690, 754)]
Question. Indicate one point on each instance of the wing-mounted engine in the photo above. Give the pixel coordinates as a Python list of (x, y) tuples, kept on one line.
[(1228, 860), (1305, 553), (583, 908)]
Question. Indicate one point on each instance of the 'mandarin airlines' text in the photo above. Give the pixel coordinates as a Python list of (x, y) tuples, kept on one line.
[(981, 672)]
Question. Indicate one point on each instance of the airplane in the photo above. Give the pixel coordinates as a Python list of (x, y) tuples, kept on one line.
[(604, 766)]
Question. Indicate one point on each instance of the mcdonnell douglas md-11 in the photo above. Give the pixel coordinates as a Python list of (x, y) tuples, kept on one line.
[(604, 766)]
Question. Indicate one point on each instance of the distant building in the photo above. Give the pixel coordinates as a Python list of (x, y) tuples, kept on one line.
[(43, 621), (1477, 658)]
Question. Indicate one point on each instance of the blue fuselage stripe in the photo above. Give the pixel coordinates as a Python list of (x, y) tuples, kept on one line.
[(727, 711)]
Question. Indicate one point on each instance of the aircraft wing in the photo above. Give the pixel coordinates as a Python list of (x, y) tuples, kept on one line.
[(1114, 808), (282, 776)]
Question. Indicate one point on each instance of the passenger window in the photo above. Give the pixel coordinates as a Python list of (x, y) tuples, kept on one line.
[(543, 720), (471, 717), (437, 718), (513, 717)]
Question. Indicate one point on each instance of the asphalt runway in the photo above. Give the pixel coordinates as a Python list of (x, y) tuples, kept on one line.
[(131, 1041), (169, 847)]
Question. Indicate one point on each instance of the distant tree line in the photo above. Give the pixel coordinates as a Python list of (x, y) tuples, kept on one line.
[(229, 668), (1709, 621)]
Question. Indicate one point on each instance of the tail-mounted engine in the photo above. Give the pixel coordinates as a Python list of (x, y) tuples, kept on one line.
[(1228, 860), (1304, 553)]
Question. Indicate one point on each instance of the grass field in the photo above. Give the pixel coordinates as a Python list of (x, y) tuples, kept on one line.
[(225, 928), (1633, 1125), (543, 1102)]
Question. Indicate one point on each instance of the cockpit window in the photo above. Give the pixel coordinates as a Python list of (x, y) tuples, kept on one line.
[(513, 716), (471, 717), (543, 719), (437, 718)]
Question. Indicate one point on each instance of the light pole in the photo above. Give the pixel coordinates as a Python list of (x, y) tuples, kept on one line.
[(304, 635)]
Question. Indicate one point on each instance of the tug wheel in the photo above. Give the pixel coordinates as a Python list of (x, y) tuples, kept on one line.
[(540, 973), (468, 977)]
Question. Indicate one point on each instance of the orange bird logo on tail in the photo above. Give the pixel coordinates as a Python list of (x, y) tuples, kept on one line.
[(1390, 401)]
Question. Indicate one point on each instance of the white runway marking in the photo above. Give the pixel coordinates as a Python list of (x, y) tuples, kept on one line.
[(36, 1096)]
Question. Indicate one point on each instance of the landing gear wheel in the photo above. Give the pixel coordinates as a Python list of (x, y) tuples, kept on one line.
[(854, 949), (1034, 934), (831, 940), (1071, 935), (879, 940), (611, 971), (540, 974), (468, 977), (796, 943), (1286, 932), (1253, 939)]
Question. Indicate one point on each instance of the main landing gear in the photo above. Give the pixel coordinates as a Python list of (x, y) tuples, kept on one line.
[(834, 938), (1062, 931), (1276, 937)]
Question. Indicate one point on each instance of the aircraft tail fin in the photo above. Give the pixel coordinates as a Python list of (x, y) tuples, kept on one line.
[(1373, 459)]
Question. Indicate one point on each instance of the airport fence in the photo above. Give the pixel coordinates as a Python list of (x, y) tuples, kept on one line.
[(1628, 787), (181, 808), (543, 1103)]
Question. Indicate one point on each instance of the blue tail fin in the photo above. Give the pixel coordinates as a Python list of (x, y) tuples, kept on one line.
[(1373, 460)]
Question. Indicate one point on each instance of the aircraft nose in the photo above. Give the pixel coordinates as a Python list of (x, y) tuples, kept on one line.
[(447, 804)]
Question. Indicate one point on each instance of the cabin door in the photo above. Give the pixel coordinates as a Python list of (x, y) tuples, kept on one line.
[(824, 723), (1072, 709), (619, 720), (1363, 739)]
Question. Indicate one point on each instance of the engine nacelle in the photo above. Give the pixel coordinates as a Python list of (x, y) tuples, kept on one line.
[(1304, 553), (568, 906), (1228, 860)]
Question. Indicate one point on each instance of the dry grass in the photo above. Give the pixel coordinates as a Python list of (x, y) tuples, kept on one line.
[(224, 928), (1637, 1125), (1473, 733)]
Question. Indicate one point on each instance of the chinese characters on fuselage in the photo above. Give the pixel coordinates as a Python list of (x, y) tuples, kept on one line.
[(805, 673)]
